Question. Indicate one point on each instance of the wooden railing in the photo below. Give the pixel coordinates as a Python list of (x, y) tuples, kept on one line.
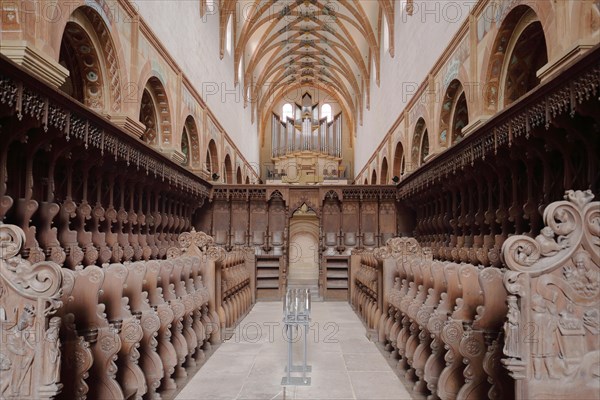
[(449, 325), (118, 331)]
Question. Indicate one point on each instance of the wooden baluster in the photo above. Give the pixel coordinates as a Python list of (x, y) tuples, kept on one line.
[(133, 225), (435, 363), (98, 223), (109, 225), (122, 225), (182, 271), (48, 209), (167, 283), (76, 355), (451, 379), (165, 348), (68, 212), (129, 374), (91, 323), (83, 214), (141, 229), (150, 361), (476, 343)]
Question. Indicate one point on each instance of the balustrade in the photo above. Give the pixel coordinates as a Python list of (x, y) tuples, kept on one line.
[(123, 330), (441, 321)]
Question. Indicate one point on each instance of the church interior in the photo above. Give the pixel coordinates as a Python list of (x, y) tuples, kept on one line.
[(422, 175)]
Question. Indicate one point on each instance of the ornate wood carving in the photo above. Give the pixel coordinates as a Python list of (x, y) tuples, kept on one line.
[(551, 346), (29, 296)]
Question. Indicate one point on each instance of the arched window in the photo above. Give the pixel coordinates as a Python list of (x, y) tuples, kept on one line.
[(229, 36), (386, 35), (185, 147), (374, 178), (287, 112), (326, 112)]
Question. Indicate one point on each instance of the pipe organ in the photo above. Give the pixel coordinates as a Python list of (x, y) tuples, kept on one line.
[(289, 136), (306, 149)]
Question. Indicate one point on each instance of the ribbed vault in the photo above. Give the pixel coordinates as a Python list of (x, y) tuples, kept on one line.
[(280, 46)]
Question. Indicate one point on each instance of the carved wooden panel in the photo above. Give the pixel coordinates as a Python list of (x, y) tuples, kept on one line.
[(368, 215), (277, 221), (350, 216), (552, 345), (331, 216)]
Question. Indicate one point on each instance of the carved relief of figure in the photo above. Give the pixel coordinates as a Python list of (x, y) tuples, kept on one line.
[(584, 279), (543, 344), (511, 329), (547, 244), (51, 369), (21, 345)]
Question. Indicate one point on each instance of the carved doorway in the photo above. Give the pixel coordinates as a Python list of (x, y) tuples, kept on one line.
[(304, 249)]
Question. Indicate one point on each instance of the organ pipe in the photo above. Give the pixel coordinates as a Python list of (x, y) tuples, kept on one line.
[(288, 138)]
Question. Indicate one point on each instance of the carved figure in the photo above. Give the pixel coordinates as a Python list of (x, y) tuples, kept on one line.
[(583, 279), (543, 349), (511, 329), (548, 246), (51, 369), (21, 344)]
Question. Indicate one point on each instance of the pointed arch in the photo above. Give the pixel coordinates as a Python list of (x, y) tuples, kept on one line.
[(454, 115), (399, 162), (87, 50), (374, 177), (154, 104), (212, 158), (185, 148), (190, 130), (518, 52), (384, 178), (420, 144), (228, 169), (238, 176)]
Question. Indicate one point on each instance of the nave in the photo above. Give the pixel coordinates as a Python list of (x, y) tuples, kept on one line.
[(167, 166), (250, 365)]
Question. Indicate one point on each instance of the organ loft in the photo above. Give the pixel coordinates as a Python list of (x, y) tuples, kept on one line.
[(421, 175)]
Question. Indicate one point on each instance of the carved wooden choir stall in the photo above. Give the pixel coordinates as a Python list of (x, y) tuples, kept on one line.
[(464, 331), (117, 331)]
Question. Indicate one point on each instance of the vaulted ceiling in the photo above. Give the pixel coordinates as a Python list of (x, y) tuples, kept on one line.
[(281, 46)]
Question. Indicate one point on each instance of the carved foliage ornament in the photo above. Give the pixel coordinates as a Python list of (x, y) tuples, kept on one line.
[(196, 243), (29, 295), (570, 224), (401, 247), (552, 347)]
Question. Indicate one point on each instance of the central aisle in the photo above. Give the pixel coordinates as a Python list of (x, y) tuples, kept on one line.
[(345, 365)]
